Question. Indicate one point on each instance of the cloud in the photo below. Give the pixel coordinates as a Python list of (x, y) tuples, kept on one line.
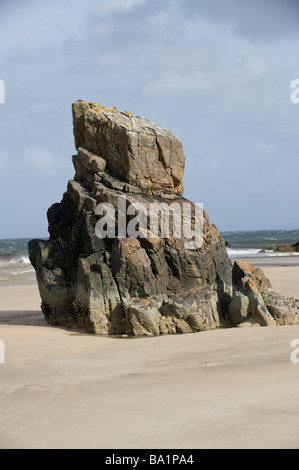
[(35, 164), (217, 74), (114, 5), (174, 84), (30, 55), (256, 64), (42, 160), (30, 183), (255, 20)]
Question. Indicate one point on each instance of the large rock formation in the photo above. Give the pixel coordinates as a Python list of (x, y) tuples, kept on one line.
[(145, 284)]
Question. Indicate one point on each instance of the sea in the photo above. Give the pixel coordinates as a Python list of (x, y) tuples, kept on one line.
[(15, 265), (259, 243)]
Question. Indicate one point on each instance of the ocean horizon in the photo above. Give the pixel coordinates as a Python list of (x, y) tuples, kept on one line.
[(15, 264)]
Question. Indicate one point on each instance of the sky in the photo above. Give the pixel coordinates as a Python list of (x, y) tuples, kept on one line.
[(217, 73)]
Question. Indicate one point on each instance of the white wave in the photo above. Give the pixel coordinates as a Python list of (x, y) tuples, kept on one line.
[(15, 266), (17, 272), (14, 261), (256, 253), (246, 252), (281, 253)]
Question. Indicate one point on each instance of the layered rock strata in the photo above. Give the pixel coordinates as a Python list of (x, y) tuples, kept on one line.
[(146, 284), (120, 285)]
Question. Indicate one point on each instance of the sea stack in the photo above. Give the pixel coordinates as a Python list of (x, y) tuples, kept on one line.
[(125, 285), (146, 283)]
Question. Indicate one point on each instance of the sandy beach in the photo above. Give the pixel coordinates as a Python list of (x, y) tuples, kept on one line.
[(227, 388)]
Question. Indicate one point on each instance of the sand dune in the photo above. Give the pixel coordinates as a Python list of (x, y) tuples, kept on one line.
[(234, 388)]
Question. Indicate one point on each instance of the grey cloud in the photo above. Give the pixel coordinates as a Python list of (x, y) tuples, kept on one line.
[(184, 65), (251, 19)]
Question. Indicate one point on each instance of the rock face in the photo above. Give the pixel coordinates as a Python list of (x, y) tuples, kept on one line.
[(149, 283), (143, 285), (254, 300), (131, 148)]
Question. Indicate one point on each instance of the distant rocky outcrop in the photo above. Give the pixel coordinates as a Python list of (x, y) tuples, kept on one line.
[(289, 248), (149, 284)]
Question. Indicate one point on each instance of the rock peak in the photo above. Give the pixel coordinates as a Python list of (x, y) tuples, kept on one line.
[(132, 148)]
